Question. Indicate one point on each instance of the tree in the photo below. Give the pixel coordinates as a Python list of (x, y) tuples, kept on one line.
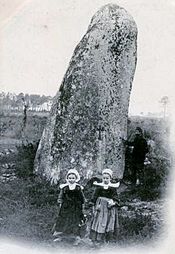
[(164, 101)]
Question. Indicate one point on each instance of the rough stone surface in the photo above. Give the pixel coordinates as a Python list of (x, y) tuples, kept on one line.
[(89, 113)]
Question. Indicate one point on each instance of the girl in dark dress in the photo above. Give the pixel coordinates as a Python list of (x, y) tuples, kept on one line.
[(71, 200), (105, 223)]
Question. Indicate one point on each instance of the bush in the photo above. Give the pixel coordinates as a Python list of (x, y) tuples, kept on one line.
[(25, 160), (137, 229), (41, 193)]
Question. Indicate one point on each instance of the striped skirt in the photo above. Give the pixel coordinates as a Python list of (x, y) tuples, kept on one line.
[(105, 222)]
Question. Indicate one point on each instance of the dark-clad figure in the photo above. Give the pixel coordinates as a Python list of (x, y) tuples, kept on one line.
[(140, 149)]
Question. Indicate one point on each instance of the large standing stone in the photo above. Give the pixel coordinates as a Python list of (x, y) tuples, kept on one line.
[(89, 113)]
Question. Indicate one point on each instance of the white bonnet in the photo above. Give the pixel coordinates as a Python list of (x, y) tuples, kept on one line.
[(75, 172), (107, 171)]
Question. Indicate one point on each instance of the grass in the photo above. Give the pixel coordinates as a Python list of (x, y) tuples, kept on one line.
[(29, 215), (20, 219), (11, 125)]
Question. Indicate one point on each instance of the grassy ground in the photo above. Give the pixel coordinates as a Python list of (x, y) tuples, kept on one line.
[(28, 211), (11, 125), (24, 219)]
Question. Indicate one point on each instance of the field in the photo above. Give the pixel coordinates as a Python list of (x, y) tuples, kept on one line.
[(28, 205)]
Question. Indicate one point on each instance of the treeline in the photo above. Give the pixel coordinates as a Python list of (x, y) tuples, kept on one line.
[(17, 102)]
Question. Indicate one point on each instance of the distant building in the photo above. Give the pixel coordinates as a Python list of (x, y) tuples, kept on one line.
[(46, 106), (12, 102)]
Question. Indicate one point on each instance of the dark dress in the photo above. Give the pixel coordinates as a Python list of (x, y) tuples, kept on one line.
[(105, 223), (70, 213)]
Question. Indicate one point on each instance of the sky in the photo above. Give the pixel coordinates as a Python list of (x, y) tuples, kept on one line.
[(38, 37)]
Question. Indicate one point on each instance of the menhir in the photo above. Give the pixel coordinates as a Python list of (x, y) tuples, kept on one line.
[(89, 115)]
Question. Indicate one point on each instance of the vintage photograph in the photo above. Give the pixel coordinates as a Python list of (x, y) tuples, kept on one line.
[(86, 119)]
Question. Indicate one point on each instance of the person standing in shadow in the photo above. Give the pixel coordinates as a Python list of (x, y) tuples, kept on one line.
[(138, 155)]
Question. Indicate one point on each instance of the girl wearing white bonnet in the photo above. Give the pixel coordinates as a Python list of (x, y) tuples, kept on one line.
[(70, 200), (107, 171), (105, 199)]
